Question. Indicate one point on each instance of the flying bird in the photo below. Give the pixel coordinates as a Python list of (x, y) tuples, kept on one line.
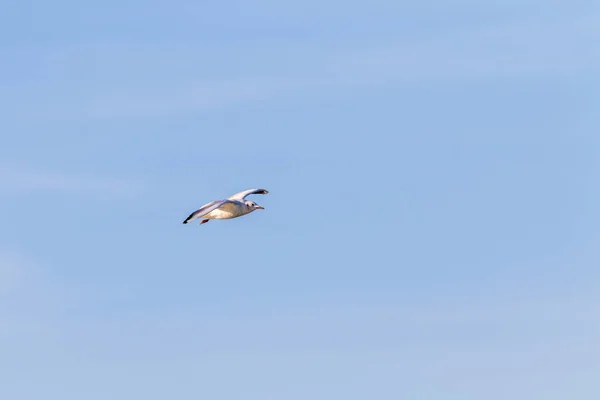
[(231, 207)]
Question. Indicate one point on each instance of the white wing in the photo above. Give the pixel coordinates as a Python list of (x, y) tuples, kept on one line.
[(242, 195), (205, 209)]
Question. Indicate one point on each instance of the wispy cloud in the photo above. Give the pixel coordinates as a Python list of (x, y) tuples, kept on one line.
[(516, 49), (193, 96), (509, 50), (17, 180), (12, 270), (30, 298), (527, 48)]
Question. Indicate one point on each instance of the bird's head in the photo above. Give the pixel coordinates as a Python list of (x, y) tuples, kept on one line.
[(253, 206)]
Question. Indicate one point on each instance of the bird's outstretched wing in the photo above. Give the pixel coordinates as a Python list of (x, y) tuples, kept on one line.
[(205, 209), (242, 195)]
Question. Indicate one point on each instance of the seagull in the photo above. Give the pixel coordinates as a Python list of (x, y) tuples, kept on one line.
[(231, 207)]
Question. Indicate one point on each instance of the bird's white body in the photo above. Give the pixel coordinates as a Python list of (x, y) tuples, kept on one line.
[(228, 211), (220, 214), (232, 207)]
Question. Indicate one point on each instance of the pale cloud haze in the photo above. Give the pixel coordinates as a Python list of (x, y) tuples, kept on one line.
[(16, 179)]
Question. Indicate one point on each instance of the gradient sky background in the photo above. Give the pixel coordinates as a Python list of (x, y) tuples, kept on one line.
[(431, 232)]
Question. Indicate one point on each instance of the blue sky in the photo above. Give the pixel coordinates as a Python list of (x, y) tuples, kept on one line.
[(431, 230)]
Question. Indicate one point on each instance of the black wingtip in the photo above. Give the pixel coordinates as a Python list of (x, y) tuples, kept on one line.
[(185, 222)]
